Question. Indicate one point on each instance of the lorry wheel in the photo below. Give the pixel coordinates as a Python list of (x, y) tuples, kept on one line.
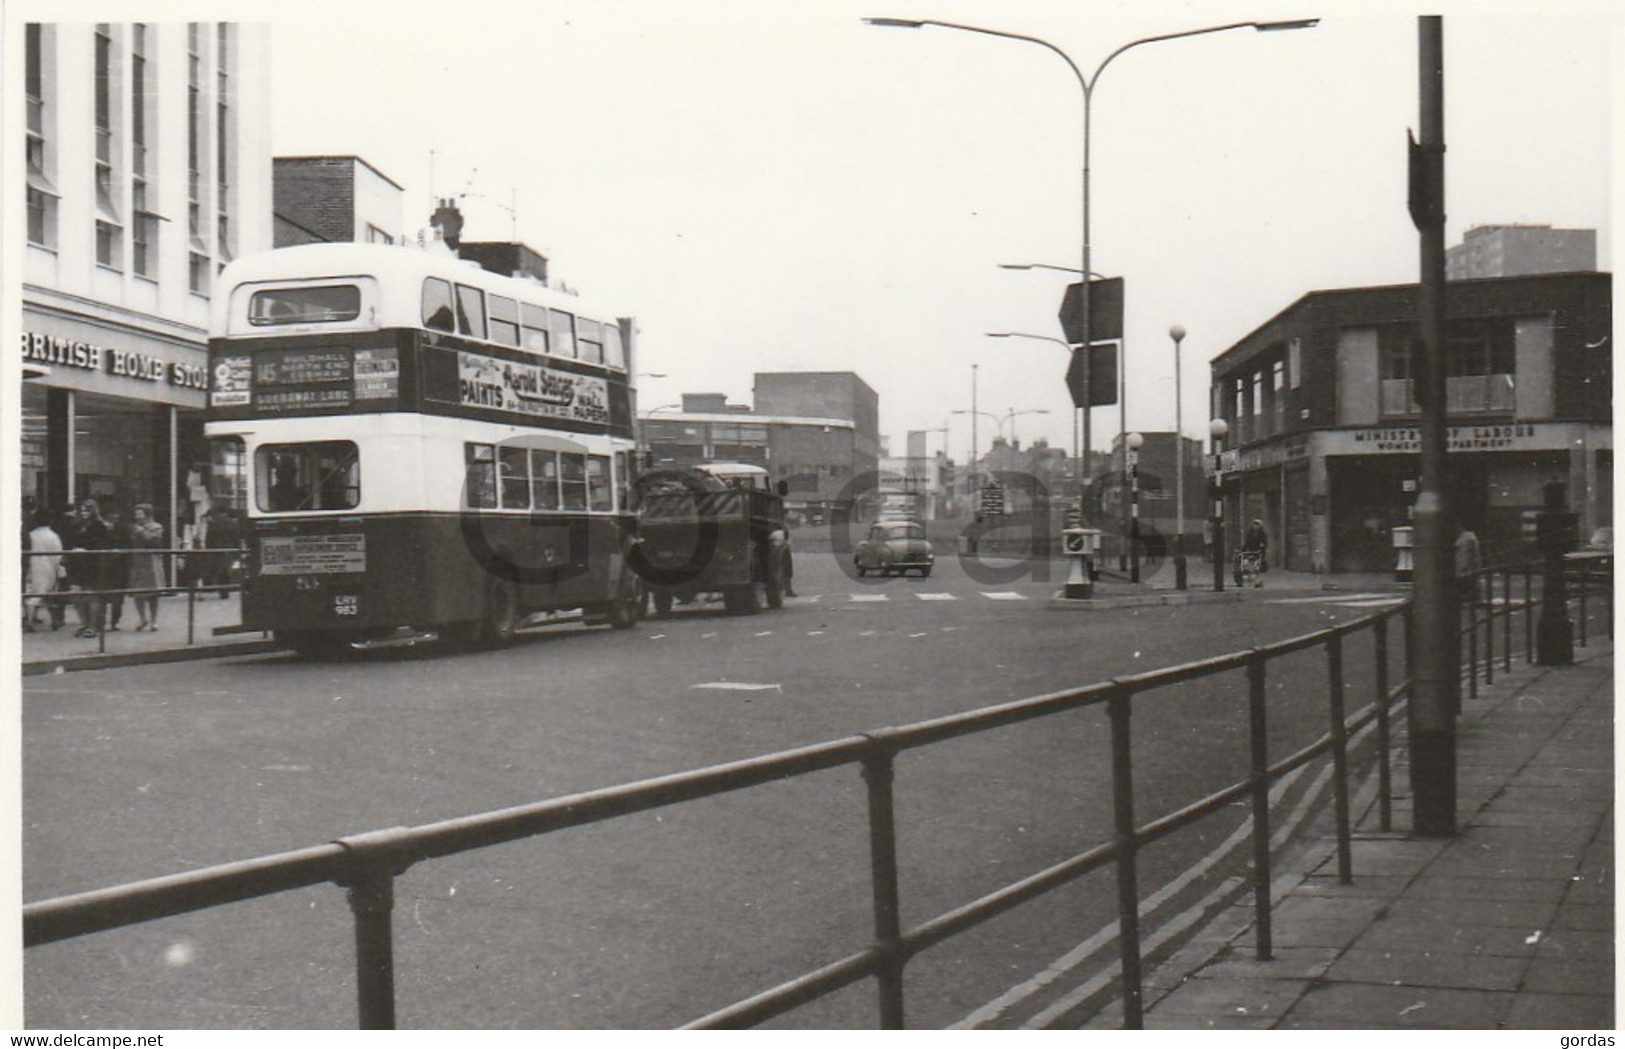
[(925, 573), (862, 571), (662, 602), (501, 620), (741, 600)]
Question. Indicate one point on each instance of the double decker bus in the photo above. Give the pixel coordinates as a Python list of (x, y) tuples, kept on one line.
[(422, 448)]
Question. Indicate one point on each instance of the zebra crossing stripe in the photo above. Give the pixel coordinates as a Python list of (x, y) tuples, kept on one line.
[(1003, 595), (870, 597), (936, 597)]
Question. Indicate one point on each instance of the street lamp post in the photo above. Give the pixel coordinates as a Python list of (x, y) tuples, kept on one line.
[(1088, 84), (1131, 447), (1177, 333), (1216, 430)]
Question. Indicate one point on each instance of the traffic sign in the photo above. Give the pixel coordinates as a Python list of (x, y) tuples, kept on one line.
[(1102, 377), (992, 500), (1105, 311)]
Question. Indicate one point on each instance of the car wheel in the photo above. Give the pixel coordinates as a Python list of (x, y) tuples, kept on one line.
[(662, 602)]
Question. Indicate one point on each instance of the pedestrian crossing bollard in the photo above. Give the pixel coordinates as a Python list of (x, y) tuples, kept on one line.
[(1080, 545)]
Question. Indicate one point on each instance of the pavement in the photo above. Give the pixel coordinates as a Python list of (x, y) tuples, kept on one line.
[(1507, 925), (187, 622)]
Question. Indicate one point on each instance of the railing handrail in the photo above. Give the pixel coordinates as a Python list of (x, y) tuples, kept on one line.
[(367, 863)]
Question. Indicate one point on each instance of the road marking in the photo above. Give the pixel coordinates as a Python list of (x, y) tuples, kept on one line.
[(702, 636), (870, 597), (1376, 602), (764, 633), (1320, 599), (919, 635), (815, 633), (936, 597), (1003, 595), (738, 686)]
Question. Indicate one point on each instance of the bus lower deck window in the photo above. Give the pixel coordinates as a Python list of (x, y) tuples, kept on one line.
[(319, 475)]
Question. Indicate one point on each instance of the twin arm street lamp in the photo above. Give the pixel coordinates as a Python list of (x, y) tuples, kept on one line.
[(1087, 85)]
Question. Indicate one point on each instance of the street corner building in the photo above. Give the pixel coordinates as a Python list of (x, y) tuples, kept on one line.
[(1324, 431), (148, 169)]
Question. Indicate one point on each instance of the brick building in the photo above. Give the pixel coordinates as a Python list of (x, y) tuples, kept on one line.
[(333, 199), (1324, 442)]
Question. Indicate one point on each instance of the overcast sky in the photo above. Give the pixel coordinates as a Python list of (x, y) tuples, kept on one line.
[(775, 185)]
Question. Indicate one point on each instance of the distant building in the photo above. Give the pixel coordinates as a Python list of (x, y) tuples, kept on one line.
[(1324, 428), (333, 199), (803, 433), (1520, 251), (148, 168)]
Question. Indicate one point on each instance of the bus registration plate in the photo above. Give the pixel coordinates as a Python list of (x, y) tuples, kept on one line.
[(307, 554)]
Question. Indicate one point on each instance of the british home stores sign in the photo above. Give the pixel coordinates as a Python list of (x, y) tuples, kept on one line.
[(56, 351)]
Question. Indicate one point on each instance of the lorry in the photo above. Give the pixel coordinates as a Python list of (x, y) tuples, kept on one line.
[(712, 530)]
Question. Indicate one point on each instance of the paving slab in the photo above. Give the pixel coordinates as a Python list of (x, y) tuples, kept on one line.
[(1508, 923)]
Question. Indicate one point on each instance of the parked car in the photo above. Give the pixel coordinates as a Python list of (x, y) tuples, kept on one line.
[(894, 546)]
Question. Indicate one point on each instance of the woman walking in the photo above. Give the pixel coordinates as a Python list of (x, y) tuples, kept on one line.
[(44, 567), (146, 569)]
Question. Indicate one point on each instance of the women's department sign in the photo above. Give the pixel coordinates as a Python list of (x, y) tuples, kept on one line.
[(530, 389)]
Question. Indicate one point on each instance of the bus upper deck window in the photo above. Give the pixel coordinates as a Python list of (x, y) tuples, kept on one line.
[(471, 311), (564, 333), (533, 326), (327, 302), (504, 320), (589, 341), (437, 305)]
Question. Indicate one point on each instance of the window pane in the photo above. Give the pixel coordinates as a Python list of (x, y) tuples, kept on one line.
[(504, 320), (512, 469), (471, 311), (589, 341), (545, 467), (480, 484), (437, 305), (563, 326), (599, 494), (573, 481), (334, 302), (533, 319), (614, 352), (320, 475)]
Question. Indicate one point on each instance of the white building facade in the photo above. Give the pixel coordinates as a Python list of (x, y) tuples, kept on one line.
[(148, 168)]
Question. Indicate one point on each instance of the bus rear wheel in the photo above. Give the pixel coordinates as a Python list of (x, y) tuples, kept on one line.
[(501, 620)]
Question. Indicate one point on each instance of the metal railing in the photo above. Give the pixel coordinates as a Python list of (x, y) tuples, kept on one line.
[(1489, 598), (93, 564), (366, 865)]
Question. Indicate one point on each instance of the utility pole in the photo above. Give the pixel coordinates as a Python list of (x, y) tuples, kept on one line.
[(1436, 688)]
